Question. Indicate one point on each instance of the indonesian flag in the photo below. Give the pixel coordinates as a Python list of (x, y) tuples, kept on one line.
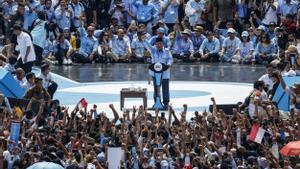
[(83, 103), (257, 134)]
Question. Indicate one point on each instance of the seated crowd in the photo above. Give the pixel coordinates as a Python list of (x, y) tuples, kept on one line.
[(67, 31)]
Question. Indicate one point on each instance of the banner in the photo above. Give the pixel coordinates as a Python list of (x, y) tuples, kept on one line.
[(14, 132), (114, 156)]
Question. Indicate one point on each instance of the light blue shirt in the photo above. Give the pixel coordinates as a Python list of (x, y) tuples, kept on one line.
[(164, 56), (245, 49), (63, 18), (166, 41), (197, 40), (9, 9), (48, 48), (128, 5), (119, 46), (190, 10), (145, 13), (171, 14), (241, 9), (77, 11), (29, 18), (182, 46), (49, 12), (231, 46), (210, 46), (39, 33), (88, 45), (291, 8), (65, 45), (139, 47), (269, 50)]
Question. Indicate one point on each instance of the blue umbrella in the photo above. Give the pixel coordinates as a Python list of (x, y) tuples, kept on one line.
[(45, 165)]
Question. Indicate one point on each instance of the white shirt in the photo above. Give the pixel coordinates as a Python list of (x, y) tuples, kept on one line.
[(289, 73), (9, 68), (46, 80), (267, 81), (271, 14), (25, 41)]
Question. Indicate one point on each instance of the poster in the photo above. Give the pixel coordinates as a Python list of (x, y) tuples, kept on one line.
[(114, 156), (14, 132)]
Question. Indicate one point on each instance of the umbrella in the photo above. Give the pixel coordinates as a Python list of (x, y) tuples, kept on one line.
[(45, 165), (291, 149)]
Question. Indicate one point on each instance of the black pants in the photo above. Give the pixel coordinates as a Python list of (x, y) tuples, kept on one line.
[(27, 67), (165, 91), (184, 58), (39, 55), (60, 55), (79, 58), (213, 57), (52, 89)]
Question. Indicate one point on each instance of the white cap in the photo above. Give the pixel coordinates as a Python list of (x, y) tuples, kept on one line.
[(231, 30)]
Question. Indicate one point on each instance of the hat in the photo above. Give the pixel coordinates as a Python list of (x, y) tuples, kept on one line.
[(164, 163), (187, 32), (38, 79), (66, 29), (198, 28), (261, 27), (101, 157), (245, 33), (292, 49), (231, 30), (161, 30), (158, 40), (272, 24)]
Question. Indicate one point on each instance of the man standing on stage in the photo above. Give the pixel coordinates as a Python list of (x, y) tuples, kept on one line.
[(159, 54)]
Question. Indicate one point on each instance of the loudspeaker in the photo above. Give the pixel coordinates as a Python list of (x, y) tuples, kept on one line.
[(227, 108), (9, 86)]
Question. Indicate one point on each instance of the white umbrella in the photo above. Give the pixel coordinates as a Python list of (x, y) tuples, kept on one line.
[(45, 165)]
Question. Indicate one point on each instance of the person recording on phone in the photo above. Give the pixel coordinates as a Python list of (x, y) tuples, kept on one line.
[(159, 54)]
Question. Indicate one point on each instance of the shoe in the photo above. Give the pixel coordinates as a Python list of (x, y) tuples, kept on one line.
[(65, 62), (69, 61)]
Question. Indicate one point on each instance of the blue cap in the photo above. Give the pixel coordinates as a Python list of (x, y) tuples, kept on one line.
[(161, 30)]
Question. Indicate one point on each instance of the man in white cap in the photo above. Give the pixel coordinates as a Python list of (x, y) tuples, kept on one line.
[(230, 46)]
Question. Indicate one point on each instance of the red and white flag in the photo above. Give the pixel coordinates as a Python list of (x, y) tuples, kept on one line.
[(83, 103), (257, 133)]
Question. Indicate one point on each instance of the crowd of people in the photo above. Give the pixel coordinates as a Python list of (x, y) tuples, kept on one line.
[(62, 32), (80, 138)]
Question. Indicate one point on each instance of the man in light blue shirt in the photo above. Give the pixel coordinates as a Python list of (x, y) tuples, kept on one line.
[(183, 47), (145, 13), (159, 54), (77, 11), (170, 11), (161, 34), (63, 16), (230, 46), (138, 48), (88, 46), (288, 7), (209, 49), (120, 47)]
